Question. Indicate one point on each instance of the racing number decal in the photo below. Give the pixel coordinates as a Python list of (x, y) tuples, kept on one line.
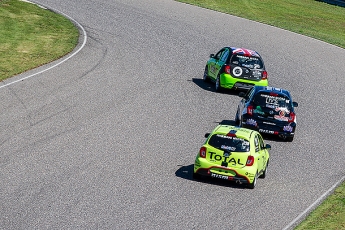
[(271, 100), (213, 69), (237, 71)]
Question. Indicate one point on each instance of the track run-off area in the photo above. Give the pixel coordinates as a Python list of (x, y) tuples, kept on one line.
[(106, 137)]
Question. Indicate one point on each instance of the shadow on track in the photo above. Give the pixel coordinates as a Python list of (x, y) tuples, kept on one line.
[(209, 86), (186, 172)]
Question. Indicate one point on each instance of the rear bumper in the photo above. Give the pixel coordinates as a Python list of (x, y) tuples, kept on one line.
[(241, 175), (237, 179), (229, 82), (283, 130)]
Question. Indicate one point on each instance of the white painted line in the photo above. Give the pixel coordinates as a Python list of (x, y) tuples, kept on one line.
[(63, 60), (313, 205)]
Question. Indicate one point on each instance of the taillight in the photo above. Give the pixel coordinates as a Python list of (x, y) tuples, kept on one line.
[(250, 161), (264, 75), (292, 117), (202, 152), (250, 110), (227, 69)]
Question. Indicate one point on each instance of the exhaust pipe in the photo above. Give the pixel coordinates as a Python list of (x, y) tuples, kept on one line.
[(238, 182), (282, 136)]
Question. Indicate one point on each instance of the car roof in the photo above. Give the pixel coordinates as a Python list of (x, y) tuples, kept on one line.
[(240, 132), (269, 89), (244, 51)]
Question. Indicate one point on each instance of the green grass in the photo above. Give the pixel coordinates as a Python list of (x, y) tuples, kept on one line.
[(309, 17), (31, 36), (329, 215), (312, 18)]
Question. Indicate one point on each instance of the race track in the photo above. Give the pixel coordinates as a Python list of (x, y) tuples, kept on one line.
[(107, 139)]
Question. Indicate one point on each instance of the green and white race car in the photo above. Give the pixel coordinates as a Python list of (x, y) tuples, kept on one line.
[(236, 69), (234, 154)]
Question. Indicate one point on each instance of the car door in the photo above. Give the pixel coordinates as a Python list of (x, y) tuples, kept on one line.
[(263, 152), (216, 63), (221, 61), (244, 101), (259, 152)]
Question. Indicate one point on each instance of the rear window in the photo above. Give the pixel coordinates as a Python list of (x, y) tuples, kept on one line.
[(247, 61), (272, 101), (229, 143)]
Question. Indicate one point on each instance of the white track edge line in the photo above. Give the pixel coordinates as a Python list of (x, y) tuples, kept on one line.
[(62, 61), (313, 205)]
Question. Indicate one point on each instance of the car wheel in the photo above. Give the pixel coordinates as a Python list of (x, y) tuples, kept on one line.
[(253, 184), (218, 87), (205, 77), (263, 175)]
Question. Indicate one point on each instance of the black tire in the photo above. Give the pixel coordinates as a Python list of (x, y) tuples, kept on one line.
[(218, 87), (205, 77), (253, 184), (263, 175)]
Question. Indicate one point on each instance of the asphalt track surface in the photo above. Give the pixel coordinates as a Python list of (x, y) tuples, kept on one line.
[(108, 138)]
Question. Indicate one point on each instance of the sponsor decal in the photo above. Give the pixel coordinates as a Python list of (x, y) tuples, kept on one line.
[(251, 122), (213, 69), (273, 88), (283, 110), (272, 98), (230, 148), (282, 113), (268, 123), (259, 111), (225, 158), (287, 128), (266, 131), (221, 176), (280, 118), (237, 71), (271, 107)]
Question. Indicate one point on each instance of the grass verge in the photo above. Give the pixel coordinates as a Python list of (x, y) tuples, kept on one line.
[(309, 17), (312, 18), (31, 36)]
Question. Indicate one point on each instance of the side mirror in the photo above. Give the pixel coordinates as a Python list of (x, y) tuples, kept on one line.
[(242, 94), (207, 134), (295, 104), (211, 55), (267, 146)]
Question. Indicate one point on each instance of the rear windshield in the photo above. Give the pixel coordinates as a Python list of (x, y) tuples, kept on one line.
[(245, 61), (227, 143), (273, 102)]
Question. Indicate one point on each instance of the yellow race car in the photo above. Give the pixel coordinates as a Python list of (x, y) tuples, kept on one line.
[(233, 153)]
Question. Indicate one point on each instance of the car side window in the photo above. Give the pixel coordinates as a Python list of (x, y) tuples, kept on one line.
[(256, 143), (219, 54), (225, 55), (261, 142), (249, 94)]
